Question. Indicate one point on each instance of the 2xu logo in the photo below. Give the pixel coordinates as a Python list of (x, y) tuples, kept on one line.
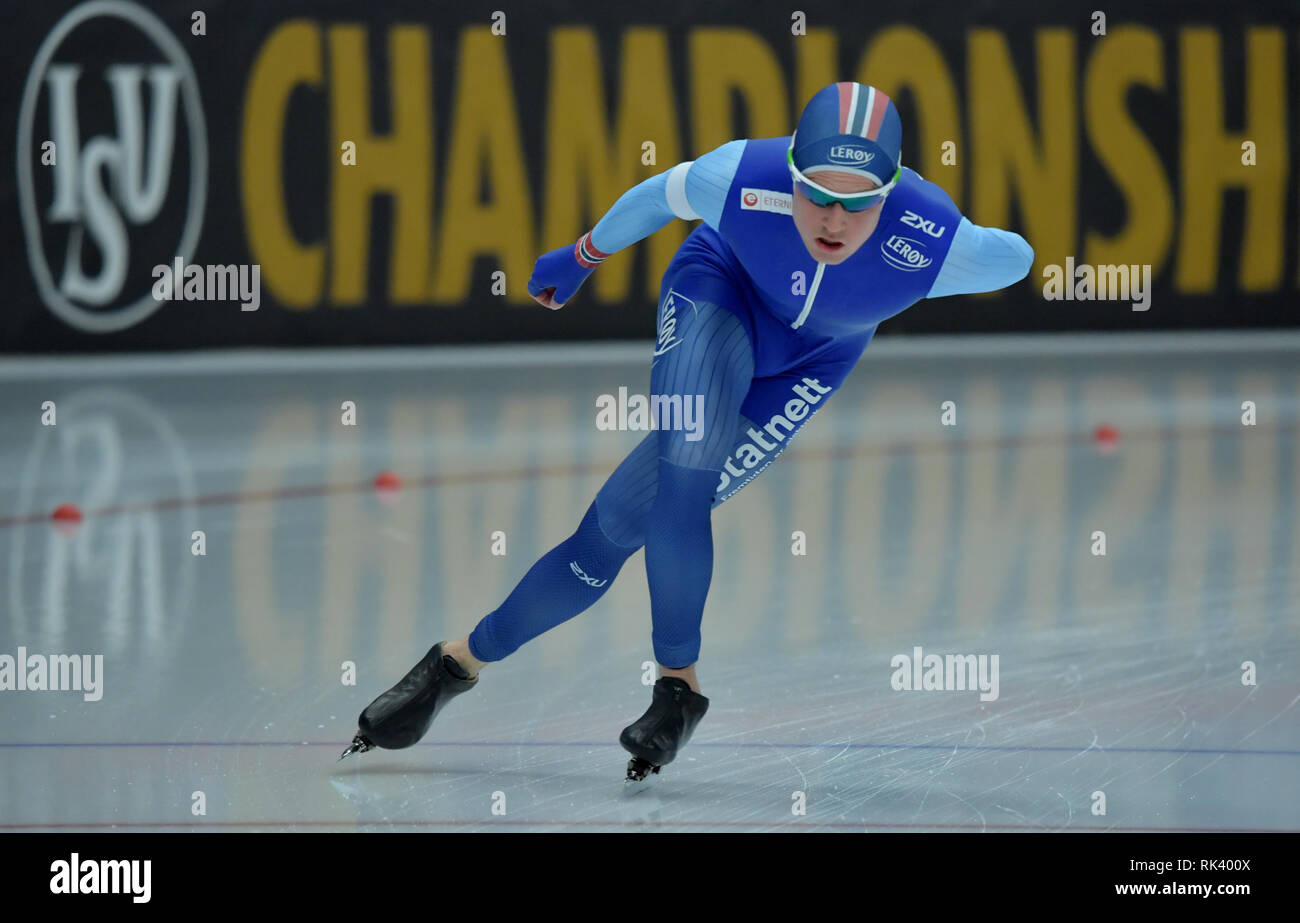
[(913, 220), (102, 187), (583, 576)]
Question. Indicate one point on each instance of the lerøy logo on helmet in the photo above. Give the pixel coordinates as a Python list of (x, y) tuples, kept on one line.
[(97, 143), (850, 155)]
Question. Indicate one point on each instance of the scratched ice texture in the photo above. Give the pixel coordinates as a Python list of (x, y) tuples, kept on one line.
[(1120, 698)]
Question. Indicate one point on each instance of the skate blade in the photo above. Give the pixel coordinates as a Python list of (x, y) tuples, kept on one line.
[(639, 772), (632, 788), (359, 745)]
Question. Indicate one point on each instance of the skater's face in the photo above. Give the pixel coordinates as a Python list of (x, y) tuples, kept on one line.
[(830, 233)]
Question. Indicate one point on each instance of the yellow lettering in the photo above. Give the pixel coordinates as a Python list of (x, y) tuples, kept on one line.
[(588, 167), (485, 146), (1211, 160), (1004, 150), (815, 55), (398, 164), (724, 61), (905, 58), (292, 272), (1129, 56)]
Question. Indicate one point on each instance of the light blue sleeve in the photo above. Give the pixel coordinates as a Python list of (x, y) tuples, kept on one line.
[(982, 260), (690, 190), (710, 178)]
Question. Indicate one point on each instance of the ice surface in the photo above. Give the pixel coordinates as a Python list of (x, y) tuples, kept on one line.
[(1119, 674)]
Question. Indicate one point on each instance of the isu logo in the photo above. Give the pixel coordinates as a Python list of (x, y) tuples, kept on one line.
[(101, 203)]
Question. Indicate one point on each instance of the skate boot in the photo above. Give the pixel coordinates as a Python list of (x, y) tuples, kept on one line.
[(402, 715), (654, 739)]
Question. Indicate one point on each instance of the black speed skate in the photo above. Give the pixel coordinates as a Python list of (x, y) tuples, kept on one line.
[(664, 729), (402, 715)]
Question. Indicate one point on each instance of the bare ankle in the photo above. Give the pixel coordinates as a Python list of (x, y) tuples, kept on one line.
[(459, 652), (687, 675)]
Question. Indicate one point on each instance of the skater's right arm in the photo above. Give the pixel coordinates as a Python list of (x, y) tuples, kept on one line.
[(691, 190)]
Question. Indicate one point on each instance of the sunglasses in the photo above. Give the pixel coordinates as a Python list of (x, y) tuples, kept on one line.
[(852, 202)]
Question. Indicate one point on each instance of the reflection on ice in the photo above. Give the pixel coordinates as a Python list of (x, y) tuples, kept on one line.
[(1152, 686)]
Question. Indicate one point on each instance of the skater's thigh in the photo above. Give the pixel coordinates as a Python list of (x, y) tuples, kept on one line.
[(777, 407), (702, 367)]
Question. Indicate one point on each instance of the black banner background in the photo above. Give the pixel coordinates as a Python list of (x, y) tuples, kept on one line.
[(237, 36)]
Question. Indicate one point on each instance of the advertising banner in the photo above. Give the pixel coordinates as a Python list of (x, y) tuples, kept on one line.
[(293, 173)]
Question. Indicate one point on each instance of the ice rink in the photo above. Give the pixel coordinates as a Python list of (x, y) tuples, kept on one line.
[(1152, 687)]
